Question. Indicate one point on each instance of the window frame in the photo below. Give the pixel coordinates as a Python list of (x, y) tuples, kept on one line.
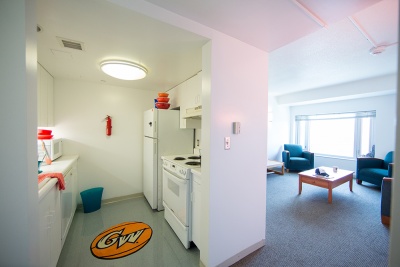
[(357, 141)]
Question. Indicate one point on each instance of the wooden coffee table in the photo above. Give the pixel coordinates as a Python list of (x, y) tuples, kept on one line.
[(334, 179), (272, 166)]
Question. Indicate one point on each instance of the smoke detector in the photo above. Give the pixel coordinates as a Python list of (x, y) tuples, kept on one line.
[(377, 50)]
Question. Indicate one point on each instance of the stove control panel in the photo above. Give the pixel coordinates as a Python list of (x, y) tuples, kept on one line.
[(176, 169), (181, 171), (166, 164)]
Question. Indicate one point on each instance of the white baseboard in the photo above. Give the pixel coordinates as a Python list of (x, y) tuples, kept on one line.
[(115, 199), (242, 254)]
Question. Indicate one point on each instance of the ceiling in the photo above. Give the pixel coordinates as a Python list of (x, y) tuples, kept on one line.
[(311, 43), (107, 31)]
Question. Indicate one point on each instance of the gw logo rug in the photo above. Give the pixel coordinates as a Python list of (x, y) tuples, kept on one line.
[(121, 240)]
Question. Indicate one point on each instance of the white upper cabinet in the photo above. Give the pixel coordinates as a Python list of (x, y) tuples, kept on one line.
[(194, 90), (45, 99), (190, 97)]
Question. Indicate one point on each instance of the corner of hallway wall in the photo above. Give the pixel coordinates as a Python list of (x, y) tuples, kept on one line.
[(19, 203), (233, 94)]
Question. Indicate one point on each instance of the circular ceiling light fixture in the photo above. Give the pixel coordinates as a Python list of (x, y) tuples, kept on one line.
[(123, 70)]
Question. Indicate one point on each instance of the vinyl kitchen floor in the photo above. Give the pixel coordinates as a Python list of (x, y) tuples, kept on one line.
[(163, 249)]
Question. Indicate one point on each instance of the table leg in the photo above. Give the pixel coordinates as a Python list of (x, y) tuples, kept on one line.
[(274, 170), (300, 185), (330, 194), (351, 184)]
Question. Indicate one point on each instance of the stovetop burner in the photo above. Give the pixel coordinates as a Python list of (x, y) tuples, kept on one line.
[(194, 163), (179, 158), (194, 157)]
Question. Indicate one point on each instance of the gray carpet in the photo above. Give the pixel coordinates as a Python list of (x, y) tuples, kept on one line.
[(305, 230)]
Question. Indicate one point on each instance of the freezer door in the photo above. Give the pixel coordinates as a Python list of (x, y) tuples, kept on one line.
[(150, 182), (150, 122)]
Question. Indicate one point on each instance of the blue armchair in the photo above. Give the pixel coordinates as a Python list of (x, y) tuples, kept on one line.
[(386, 191), (295, 158), (372, 170)]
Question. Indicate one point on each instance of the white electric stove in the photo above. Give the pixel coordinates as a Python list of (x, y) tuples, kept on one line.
[(177, 189)]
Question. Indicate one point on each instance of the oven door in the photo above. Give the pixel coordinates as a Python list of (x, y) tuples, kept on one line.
[(176, 196)]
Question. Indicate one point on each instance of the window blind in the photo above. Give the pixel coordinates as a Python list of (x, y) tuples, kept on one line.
[(336, 116)]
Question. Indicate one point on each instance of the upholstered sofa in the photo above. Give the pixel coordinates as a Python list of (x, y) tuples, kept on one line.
[(372, 170), (296, 159)]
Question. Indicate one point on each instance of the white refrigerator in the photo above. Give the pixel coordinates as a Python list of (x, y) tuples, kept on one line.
[(162, 137)]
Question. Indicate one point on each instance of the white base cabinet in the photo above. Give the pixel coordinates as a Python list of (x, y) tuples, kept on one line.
[(68, 202), (196, 209), (57, 209), (50, 227)]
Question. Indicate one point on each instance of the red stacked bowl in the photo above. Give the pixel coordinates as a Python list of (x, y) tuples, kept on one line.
[(162, 101), (44, 134)]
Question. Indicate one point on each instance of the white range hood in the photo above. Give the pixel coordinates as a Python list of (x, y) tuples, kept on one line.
[(193, 113)]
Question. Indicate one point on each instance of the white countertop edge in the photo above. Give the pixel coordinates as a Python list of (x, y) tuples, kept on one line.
[(46, 188), (63, 165)]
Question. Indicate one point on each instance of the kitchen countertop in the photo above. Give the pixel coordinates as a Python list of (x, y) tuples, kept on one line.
[(196, 171), (62, 165)]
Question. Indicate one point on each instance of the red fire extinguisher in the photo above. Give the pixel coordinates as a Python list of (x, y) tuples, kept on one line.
[(108, 126)]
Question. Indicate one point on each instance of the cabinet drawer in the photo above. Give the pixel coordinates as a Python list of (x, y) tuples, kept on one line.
[(314, 181)]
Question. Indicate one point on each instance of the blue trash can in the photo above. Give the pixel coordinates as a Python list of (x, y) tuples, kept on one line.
[(91, 199)]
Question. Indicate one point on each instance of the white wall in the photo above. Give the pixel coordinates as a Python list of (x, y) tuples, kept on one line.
[(394, 255), (385, 123), (19, 207), (370, 87), (113, 162), (19, 166), (278, 128), (335, 98), (234, 180)]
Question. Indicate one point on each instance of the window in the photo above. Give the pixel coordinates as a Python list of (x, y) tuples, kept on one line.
[(345, 135)]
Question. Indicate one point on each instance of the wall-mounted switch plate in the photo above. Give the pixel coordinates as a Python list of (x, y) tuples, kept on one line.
[(227, 141), (236, 127)]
